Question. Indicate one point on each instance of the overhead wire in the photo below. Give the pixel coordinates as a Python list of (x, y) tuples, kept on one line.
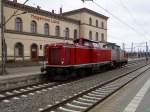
[(135, 23), (133, 17), (122, 5), (117, 4), (132, 28)]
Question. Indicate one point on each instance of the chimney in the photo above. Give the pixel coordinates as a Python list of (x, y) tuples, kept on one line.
[(61, 10), (53, 11), (15, 1)]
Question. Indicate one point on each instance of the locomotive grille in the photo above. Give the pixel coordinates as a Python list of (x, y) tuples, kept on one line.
[(55, 56), (67, 55)]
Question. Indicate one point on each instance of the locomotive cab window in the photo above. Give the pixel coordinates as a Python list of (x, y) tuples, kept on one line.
[(78, 42), (86, 44), (95, 45)]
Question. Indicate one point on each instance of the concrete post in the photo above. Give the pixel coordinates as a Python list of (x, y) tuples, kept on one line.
[(3, 71), (0, 35), (146, 52)]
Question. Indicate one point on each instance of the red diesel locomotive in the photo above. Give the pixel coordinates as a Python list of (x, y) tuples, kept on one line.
[(83, 56)]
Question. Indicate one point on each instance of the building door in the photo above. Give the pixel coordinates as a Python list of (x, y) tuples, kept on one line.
[(45, 52), (19, 51), (34, 52)]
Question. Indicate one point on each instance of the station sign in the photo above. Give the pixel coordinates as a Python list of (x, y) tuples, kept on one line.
[(41, 18)]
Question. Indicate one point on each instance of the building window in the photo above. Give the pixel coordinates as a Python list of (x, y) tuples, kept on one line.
[(46, 29), (102, 37), (66, 33), (57, 31), (96, 23), (90, 35), (90, 21), (75, 34), (33, 27), (41, 47), (19, 50), (19, 25), (34, 51), (96, 36), (102, 24)]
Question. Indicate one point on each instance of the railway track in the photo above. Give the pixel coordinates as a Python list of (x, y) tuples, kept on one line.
[(38, 88), (132, 63), (15, 93), (86, 99)]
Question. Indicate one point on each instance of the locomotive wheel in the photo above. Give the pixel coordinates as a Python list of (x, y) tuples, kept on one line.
[(83, 73), (50, 74), (42, 69), (64, 76), (113, 64), (80, 73), (73, 74), (89, 71)]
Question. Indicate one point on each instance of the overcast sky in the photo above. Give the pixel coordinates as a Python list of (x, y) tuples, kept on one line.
[(134, 13)]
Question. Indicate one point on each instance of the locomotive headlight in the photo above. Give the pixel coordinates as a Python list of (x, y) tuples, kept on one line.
[(62, 61)]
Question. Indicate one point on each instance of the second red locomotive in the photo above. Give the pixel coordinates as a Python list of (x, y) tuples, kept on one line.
[(84, 55)]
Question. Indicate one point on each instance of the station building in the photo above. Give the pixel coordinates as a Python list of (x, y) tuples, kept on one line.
[(31, 29)]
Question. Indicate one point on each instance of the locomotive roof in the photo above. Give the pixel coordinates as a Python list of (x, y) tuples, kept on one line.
[(62, 44), (112, 44), (84, 39)]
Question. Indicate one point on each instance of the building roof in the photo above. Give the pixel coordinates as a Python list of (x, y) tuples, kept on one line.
[(39, 11), (85, 10)]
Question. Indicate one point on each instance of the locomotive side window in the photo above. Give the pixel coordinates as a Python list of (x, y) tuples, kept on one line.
[(95, 45), (86, 43), (113, 47)]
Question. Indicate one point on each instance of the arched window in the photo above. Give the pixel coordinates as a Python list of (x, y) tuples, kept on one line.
[(57, 31), (67, 33), (19, 50), (102, 24), (90, 35), (33, 27), (96, 36), (102, 37), (46, 29), (90, 21), (19, 24), (96, 23), (34, 51), (75, 34)]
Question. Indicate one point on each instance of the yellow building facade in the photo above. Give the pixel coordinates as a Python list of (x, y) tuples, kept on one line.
[(31, 29)]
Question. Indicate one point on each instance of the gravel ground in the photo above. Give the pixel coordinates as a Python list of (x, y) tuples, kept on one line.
[(32, 103)]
